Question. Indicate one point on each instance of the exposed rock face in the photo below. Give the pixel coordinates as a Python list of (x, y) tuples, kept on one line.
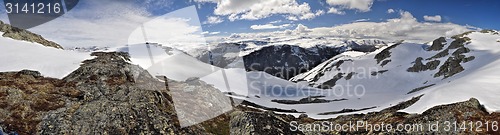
[(286, 61), (258, 123), (466, 111), (419, 66), (106, 95), (364, 47), (119, 98), (20, 34), (453, 65), (196, 101), (437, 44), (222, 55), (26, 97), (420, 88), (332, 64), (386, 53), (307, 100), (332, 82), (440, 54), (283, 61)]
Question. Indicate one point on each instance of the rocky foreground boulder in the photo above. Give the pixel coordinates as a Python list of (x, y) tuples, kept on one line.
[(106, 95)]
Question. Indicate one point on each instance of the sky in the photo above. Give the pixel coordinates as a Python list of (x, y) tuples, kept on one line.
[(477, 13), (111, 22)]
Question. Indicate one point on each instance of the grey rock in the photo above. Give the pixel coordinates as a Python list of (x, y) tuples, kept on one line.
[(437, 44), (386, 53), (418, 66), (245, 122), (332, 82), (257, 123), (119, 98)]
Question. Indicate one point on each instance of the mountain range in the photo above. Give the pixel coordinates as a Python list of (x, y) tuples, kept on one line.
[(141, 88)]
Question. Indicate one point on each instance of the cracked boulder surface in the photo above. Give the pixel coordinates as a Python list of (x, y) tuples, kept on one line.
[(26, 97), (106, 95)]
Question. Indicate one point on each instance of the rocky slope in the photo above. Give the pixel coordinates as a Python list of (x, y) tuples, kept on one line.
[(106, 95), (467, 111), (286, 61), (25, 35), (446, 70), (280, 60)]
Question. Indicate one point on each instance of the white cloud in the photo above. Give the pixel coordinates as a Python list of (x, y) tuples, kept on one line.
[(277, 21), (214, 33), (258, 9), (406, 27), (302, 29), (210, 33), (102, 23), (359, 5), (169, 31), (333, 10), (307, 16), (361, 20), (436, 18), (213, 20), (205, 1), (111, 24), (319, 12), (390, 10), (269, 26), (292, 18)]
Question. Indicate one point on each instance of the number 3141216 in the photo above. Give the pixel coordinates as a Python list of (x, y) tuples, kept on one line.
[(33, 8)]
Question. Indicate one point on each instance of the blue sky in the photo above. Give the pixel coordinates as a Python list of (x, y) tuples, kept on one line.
[(477, 13), (110, 22)]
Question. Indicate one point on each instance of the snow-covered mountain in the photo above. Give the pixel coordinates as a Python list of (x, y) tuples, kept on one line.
[(280, 56), (447, 70), (444, 71)]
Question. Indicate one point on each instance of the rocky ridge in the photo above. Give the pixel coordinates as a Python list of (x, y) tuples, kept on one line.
[(106, 95), (467, 111), (25, 35)]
